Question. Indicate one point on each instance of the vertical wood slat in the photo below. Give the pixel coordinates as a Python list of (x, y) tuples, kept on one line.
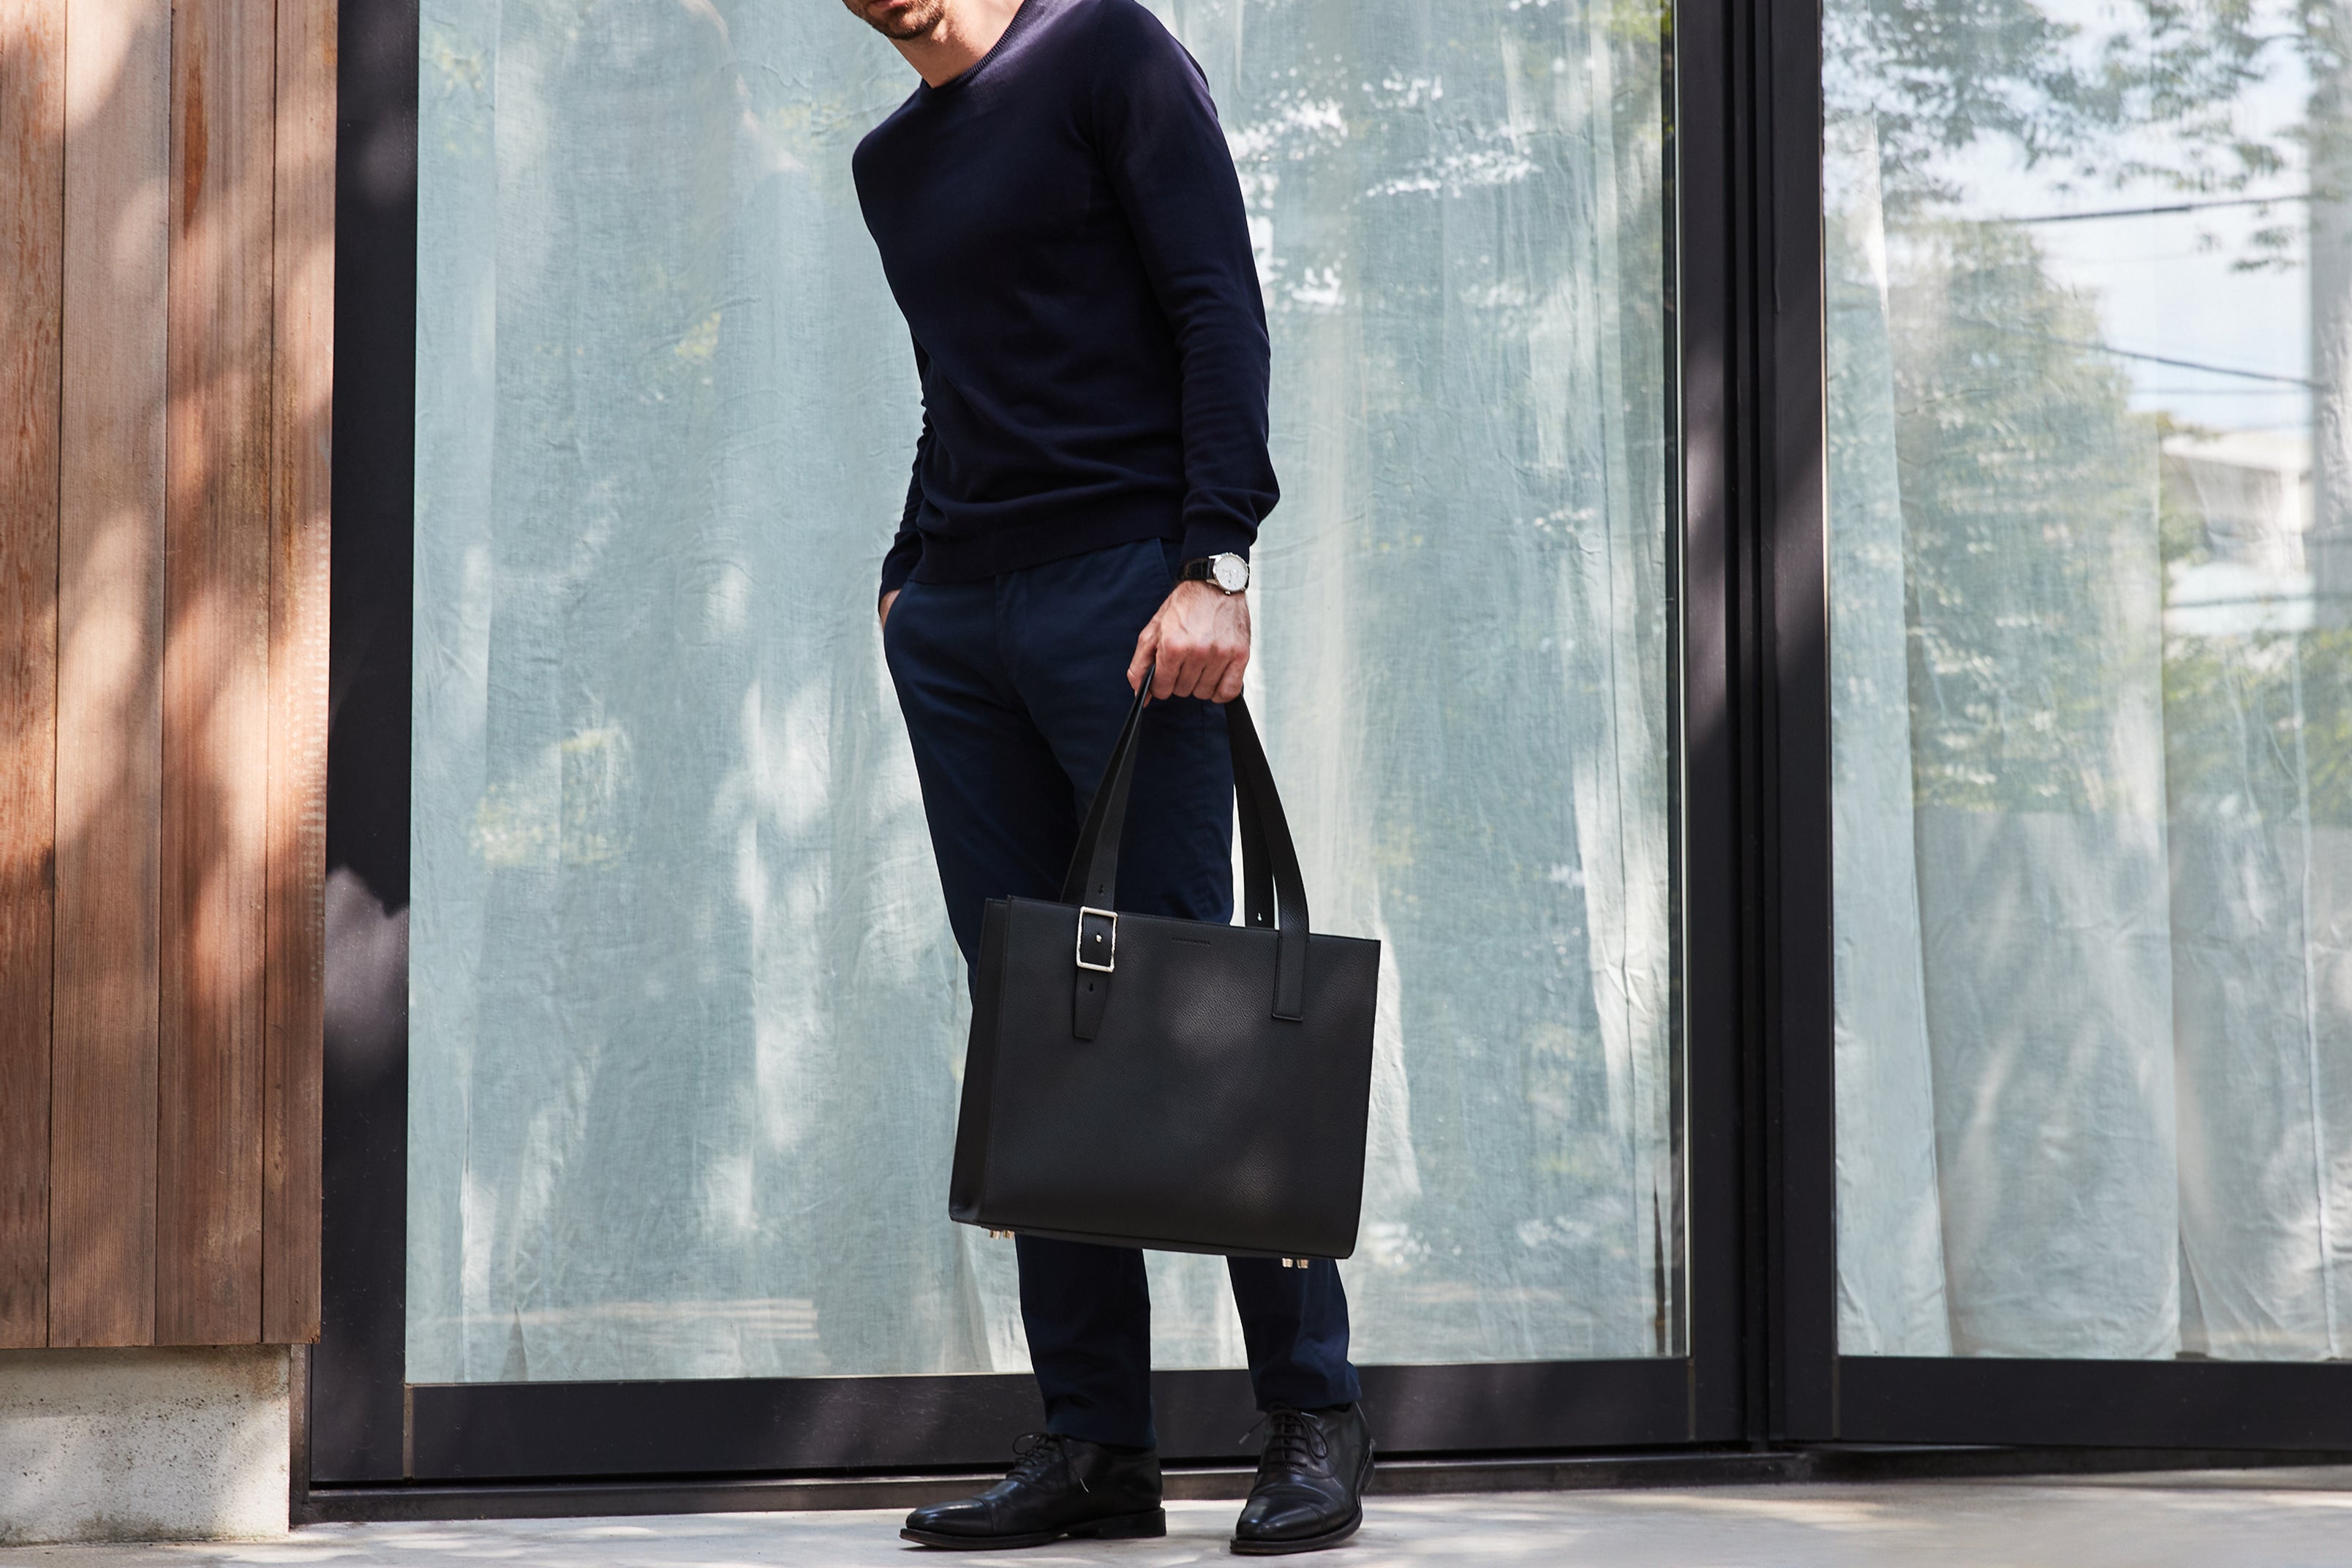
[(209, 1116), (302, 380), (111, 647), (32, 237)]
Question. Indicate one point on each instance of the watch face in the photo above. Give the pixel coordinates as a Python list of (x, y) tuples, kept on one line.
[(1232, 573)]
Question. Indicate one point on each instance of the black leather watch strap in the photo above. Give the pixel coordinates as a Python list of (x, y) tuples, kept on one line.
[(1203, 569)]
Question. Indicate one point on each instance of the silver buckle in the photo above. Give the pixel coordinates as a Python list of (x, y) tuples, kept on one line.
[(1080, 951)]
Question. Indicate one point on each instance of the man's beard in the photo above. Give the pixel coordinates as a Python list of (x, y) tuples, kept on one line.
[(917, 21)]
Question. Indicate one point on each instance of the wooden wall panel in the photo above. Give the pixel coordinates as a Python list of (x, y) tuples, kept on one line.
[(166, 338), (301, 386), (217, 540), (111, 649), (32, 234)]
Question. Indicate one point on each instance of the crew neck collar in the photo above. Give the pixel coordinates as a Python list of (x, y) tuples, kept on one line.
[(1020, 18)]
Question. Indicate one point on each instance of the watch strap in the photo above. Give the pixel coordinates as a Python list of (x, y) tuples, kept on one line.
[(1203, 569)]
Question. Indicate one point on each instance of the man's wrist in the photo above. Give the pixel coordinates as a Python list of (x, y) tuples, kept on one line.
[(1226, 572)]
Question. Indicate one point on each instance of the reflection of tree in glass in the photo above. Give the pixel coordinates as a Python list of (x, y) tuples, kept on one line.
[(1939, 76), (2028, 499), (2026, 483)]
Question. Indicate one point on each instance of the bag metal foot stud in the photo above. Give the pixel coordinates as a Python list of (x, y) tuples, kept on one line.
[(999, 1236)]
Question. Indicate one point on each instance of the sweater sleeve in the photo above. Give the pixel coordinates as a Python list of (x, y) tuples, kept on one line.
[(1157, 134), (907, 546)]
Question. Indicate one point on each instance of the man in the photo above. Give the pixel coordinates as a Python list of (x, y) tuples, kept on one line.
[(1060, 222)]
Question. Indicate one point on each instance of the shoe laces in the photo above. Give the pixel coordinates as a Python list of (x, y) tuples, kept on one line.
[(1034, 1452), (1293, 1439)]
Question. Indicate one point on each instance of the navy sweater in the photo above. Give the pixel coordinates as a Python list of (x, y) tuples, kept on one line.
[(1063, 228)]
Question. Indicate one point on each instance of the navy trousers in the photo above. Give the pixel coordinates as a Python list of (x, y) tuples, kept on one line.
[(1014, 691)]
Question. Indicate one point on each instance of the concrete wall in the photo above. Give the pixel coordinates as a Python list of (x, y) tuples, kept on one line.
[(143, 1445)]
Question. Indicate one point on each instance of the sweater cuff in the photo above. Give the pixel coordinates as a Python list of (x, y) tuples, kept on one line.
[(905, 554), (1215, 536)]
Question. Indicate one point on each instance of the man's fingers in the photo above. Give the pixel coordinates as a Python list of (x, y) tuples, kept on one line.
[(1206, 671), (1172, 673), (1147, 648), (1199, 669)]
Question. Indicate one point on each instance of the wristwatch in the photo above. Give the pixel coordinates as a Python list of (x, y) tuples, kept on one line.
[(1228, 573)]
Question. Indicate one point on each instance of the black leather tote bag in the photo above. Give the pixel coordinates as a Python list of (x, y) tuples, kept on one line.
[(1169, 1084)]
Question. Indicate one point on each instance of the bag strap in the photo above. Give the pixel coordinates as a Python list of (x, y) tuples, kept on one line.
[(1093, 876), (1263, 825), (1274, 892)]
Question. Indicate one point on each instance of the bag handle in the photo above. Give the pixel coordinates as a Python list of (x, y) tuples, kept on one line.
[(1274, 893)]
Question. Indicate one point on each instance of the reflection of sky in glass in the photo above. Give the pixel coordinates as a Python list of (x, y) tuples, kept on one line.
[(2173, 286), (2203, 340)]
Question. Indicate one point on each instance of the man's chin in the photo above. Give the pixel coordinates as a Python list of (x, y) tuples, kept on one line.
[(903, 23)]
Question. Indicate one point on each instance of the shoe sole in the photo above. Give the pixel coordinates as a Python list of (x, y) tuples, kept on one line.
[(1119, 1527), (1241, 1548)]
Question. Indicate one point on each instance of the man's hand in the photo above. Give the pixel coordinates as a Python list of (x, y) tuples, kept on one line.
[(891, 598), (1200, 641)]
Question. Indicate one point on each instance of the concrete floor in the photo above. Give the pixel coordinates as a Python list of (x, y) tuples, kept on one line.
[(2273, 1518)]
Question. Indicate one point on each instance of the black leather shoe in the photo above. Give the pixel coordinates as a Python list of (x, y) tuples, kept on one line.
[(1309, 1491), (1058, 1486)]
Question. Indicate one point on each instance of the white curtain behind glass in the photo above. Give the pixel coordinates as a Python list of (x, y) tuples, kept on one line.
[(686, 1022), (1891, 1292), (2094, 1096)]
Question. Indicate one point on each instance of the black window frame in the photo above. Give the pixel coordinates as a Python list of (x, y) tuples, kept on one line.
[(2208, 1411), (370, 1430)]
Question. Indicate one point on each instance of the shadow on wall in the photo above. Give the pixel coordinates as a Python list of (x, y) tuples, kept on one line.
[(162, 701)]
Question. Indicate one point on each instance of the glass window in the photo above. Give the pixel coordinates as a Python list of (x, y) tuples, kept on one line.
[(2090, 367), (686, 1020)]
